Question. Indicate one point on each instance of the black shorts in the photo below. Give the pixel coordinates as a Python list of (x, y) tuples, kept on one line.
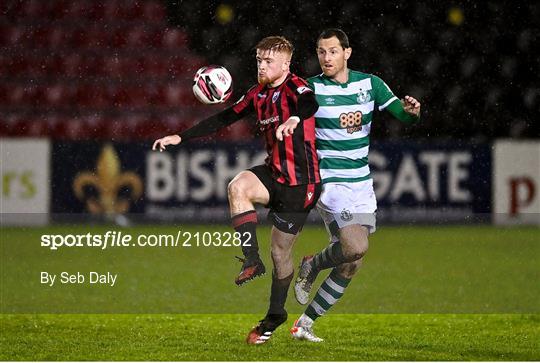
[(289, 205)]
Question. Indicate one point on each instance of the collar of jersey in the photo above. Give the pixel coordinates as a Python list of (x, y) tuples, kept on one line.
[(343, 85)]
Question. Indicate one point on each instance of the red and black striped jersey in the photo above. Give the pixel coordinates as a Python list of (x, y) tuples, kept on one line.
[(294, 160)]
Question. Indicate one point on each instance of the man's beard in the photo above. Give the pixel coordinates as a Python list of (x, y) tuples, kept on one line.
[(264, 80)]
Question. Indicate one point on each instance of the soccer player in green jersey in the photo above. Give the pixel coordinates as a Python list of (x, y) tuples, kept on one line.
[(347, 101)]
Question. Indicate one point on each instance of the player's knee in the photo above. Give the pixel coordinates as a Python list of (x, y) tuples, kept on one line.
[(360, 250), (355, 256), (279, 255), (236, 189), (357, 250), (354, 241)]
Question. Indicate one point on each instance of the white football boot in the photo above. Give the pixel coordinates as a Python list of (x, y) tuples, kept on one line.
[(303, 330), (304, 281)]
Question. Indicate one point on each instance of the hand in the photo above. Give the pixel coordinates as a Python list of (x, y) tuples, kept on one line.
[(411, 105), (287, 128), (167, 140)]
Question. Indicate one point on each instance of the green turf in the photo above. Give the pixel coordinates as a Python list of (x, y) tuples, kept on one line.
[(477, 269), (221, 337), (401, 306)]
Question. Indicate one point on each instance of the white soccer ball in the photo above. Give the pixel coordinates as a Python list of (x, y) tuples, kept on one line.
[(212, 84)]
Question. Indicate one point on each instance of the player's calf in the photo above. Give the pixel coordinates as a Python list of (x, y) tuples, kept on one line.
[(252, 266), (352, 246), (244, 191)]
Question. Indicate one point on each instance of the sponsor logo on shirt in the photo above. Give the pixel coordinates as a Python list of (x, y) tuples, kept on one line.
[(269, 120), (351, 121), (330, 100)]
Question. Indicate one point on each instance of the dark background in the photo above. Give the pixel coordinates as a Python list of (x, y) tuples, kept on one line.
[(122, 69), (473, 65)]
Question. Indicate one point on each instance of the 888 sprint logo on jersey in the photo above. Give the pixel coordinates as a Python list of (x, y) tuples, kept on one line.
[(352, 121)]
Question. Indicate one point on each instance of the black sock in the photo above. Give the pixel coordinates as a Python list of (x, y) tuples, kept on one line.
[(331, 256), (278, 294), (246, 224)]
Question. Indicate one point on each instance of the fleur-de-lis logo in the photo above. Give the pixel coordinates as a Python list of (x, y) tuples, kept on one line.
[(108, 180)]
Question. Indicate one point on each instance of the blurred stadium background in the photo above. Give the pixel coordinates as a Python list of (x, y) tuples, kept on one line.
[(121, 69), (99, 80), (86, 86)]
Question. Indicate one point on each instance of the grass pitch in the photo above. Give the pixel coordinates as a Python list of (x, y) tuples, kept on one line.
[(424, 293), (220, 337)]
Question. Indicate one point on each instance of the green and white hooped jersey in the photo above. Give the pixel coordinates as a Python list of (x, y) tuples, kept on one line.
[(343, 123)]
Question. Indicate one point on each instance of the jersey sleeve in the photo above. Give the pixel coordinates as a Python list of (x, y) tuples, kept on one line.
[(245, 105), (383, 94), (211, 124), (307, 105), (305, 97), (230, 115), (311, 83), (300, 86)]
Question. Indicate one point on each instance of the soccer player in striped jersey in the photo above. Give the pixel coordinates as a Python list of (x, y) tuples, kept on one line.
[(347, 101), (289, 181)]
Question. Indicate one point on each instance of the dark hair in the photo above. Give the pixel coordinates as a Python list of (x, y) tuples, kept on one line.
[(276, 44), (335, 32)]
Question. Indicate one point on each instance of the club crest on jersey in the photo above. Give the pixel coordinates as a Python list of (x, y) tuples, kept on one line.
[(363, 96), (346, 215), (275, 96)]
